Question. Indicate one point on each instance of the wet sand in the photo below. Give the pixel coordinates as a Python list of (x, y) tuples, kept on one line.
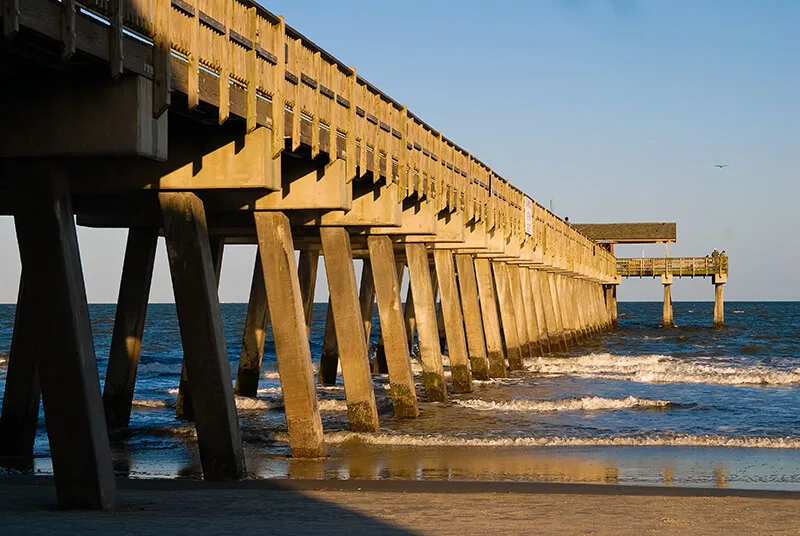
[(27, 506)]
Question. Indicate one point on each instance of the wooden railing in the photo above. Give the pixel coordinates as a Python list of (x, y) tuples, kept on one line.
[(678, 266)]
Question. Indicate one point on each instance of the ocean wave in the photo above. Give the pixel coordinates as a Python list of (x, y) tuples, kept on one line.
[(660, 369), (271, 375), (254, 404), (153, 403), (437, 440), (333, 405), (587, 403)]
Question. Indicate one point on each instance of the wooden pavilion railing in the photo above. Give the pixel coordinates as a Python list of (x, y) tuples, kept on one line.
[(678, 266)]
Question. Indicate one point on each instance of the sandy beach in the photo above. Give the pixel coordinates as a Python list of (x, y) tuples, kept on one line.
[(27, 506)]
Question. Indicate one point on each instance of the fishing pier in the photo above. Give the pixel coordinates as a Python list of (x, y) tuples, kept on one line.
[(212, 123)]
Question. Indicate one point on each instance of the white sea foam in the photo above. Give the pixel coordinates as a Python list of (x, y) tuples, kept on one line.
[(153, 403), (269, 391), (271, 375), (333, 405), (156, 369), (251, 404), (661, 369), (437, 440), (587, 403)]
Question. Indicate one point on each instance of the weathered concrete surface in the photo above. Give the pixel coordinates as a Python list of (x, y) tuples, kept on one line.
[(491, 319), (473, 324), (254, 335), (453, 321)]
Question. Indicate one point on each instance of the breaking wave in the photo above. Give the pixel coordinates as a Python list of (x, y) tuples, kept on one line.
[(436, 440), (587, 403), (333, 405), (660, 369)]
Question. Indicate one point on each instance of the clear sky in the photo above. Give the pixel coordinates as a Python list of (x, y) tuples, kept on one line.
[(613, 110)]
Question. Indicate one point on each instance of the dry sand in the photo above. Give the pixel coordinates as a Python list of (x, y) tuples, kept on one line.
[(27, 506)]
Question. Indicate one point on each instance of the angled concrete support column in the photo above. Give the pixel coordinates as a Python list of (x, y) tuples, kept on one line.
[(520, 314), (254, 335), (425, 318), (20, 415), (285, 302), (541, 317), (183, 403), (667, 319), (204, 350), (473, 323), (408, 316), (329, 358), (379, 365), (126, 339), (491, 319), (507, 316), (453, 321), (532, 323), (307, 265), (65, 358), (362, 411), (561, 326), (393, 329), (719, 304)]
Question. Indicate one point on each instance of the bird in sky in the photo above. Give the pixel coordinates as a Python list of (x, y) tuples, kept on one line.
[(720, 165)]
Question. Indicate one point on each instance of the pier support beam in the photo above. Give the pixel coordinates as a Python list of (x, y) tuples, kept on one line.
[(719, 304), (453, 321), (541, 318), (255, 332), (20, 415), (425, 318), (204, 349), (491, 319), (393, 329), (126, 339), (329, 356), (362, 411), (183, 403), (667, 319), (473, 325), (289, 330), (507, 315), (65, 358), (520, 313)]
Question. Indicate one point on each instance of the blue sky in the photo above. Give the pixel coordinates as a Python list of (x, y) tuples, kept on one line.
[(611, 110)]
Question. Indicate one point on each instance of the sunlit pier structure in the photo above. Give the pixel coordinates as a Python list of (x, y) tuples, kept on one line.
[(213, 122), (667, 268)]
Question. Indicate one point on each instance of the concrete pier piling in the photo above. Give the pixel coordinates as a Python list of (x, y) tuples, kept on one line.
[(289, 329), (473, 324), (393, 329), (719, 304), (667, 320), (508, 316), (425, 318), (453, 321), (491, 318), (362, 411), (126, 339), (255, 332)]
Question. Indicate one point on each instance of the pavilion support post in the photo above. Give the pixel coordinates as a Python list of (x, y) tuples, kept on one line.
[(425, 318), (507, 316), (205, 354), (183, 403), (473, 323), (491, 318), (20, 415), (362, 410), (276, 247), (667, 319), (64, 358), (719, 304), (255, 333), (453, 321), (393, 329), (126, 339)]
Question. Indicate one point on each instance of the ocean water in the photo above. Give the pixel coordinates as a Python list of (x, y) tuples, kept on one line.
[(691, 406)]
